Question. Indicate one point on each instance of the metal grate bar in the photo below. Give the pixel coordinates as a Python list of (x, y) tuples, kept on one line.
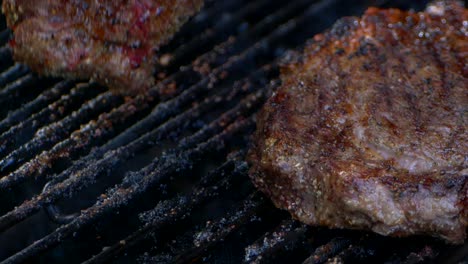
[(78, 179), (357, 252), (120, 196), (17, 135), (86, 137), (323, 253), (223, 53), (14, 72), (169, 212), (11, 95), (284, 237), (201, 67), (216, 231), (165, 110), (206, 39), (51, 134), (267, 32), (211, 12), (44, 99)]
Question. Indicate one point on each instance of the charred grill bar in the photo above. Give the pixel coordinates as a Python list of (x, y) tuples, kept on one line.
[(162, 177)]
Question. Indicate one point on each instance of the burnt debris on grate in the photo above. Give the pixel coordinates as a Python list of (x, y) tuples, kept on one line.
[(86, 175), (169, 212), (288, 237)]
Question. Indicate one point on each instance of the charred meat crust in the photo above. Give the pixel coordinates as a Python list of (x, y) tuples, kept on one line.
[(368, 130), (111, 42)]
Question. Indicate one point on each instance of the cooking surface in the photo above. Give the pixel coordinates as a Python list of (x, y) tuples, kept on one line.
[(163, 178)]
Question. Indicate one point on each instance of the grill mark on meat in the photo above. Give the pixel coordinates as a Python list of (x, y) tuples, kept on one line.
[(413, 100), (368, 128), (444, 58)]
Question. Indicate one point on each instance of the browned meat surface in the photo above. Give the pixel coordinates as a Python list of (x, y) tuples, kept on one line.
[(368, 130), (109, 41)]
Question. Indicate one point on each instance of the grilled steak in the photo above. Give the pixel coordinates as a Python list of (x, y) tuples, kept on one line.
[(368, 130), (108, 41)]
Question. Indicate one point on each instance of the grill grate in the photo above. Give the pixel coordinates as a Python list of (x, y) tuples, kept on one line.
[(161, 177)]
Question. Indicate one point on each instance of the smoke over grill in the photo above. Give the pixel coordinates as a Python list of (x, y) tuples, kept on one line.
[(88, 176)]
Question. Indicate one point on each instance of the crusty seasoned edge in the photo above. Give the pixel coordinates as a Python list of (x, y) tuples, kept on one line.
[(58, 38), (348, 164)]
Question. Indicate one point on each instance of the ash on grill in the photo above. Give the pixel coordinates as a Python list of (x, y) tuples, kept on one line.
[(162, 177)]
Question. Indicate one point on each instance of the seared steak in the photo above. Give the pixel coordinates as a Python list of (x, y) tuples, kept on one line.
[(368, 130), (109, 41)]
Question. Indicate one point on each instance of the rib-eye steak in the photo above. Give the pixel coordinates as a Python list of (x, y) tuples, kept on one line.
[(109, 41), (368, 130)]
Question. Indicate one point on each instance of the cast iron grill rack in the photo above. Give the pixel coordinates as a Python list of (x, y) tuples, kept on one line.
[(89, 176)]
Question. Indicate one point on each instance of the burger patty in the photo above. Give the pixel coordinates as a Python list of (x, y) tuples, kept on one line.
[(368, 130), (111, 42)]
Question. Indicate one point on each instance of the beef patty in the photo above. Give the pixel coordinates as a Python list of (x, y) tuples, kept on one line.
[(368, 130), (109, 41)]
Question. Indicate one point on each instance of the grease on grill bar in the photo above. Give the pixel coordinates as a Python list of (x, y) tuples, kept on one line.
[(287, 236), (161, 177)]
